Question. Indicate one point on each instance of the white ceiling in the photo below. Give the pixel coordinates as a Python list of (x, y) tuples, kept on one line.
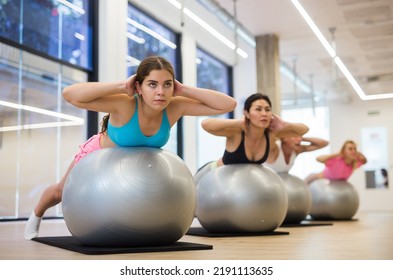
[(363, 39)]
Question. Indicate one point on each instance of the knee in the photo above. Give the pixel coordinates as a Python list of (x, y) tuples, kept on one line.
[(58, 194)]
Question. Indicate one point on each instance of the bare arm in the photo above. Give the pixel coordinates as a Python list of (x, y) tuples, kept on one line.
[(99, 96), (324, 158), (222, 127), (280, 128), (314, 144), (361, 158), (193, 101)]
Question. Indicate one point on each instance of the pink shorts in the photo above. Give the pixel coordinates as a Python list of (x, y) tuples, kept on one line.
[(92, 144)]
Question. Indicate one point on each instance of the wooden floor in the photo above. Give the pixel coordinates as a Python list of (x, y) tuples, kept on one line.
[(370, 237)]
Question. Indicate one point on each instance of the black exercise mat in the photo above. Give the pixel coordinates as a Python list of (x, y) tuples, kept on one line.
[(308, 223), (330, 220), (72, 244), (199, 231)]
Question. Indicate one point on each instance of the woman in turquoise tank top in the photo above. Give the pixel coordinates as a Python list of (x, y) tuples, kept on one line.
[(141, 111)]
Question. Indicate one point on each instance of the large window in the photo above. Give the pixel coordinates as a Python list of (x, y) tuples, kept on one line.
[(60, 29), (147, 37), (39, 131), (212, 74), (45, 45)]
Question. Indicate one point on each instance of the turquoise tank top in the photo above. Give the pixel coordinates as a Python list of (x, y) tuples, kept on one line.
[(130, 134)]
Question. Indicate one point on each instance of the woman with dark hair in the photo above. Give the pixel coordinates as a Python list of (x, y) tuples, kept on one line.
[(248, 139), (141, 112)]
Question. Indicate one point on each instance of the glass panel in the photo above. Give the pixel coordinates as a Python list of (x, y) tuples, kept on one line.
[(56, 28), (9, 118), (148, 37), (9, 19), (40, 132), (212, 74), (76, 39)]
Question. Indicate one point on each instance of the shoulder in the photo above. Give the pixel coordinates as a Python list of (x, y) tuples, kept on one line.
[(126, 100), (125, 108), (234, 134), (176, 105), (128, 103)]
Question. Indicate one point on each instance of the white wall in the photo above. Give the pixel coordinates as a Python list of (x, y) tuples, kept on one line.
[(346, 122), (112, 44)]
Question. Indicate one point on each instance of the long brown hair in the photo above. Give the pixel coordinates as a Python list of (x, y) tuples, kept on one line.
[(145, 67)]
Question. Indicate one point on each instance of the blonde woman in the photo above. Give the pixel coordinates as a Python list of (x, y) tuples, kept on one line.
[(341, 165)]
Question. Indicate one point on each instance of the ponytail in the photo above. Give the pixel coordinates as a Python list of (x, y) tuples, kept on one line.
[(104, 123)]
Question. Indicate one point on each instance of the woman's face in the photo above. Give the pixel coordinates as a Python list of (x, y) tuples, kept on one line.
[(350, 151), (260, 113), (293, 142), (157, 89)]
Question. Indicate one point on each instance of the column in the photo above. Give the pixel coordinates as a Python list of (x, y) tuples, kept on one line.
[(112, 38), (268, 69)]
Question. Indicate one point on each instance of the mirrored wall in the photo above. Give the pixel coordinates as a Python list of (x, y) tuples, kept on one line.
[(39, 131)]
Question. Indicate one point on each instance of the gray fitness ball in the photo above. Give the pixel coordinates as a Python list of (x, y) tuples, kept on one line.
[(129, 197), (299, 198), (333, 200), (203, 171), (241, 198)]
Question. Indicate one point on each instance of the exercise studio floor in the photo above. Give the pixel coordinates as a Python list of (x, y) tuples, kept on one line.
[(369, 237)]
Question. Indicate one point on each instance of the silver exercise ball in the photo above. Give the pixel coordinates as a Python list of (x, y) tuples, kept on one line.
[(202, 171), (241, 198), (333, 199), (299, 198), (129, 197)]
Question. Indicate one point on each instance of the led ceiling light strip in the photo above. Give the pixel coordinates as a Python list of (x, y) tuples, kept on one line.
[(209, 28), (38, 125), (337, 60), (151, 33), (72, 6), (40, 111), (132, 61), (135, 38), (71, 120)]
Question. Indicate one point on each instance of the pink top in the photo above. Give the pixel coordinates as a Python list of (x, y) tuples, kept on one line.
[(337, 169)]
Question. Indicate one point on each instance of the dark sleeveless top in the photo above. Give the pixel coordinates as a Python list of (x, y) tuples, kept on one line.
[(239, 156)]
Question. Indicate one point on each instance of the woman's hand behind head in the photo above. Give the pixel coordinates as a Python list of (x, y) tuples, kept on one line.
[(131, 86), (177, 88), (276, 123)]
